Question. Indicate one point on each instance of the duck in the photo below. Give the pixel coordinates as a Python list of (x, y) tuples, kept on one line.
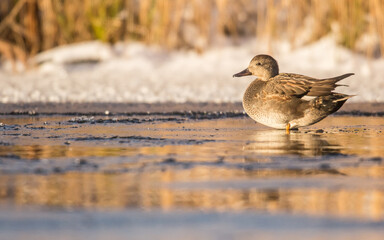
[(288, 100)]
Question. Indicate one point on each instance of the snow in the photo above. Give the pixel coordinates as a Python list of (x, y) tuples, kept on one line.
[(134, 72)]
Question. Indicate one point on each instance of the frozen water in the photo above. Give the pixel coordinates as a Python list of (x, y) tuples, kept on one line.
[(133, 72)]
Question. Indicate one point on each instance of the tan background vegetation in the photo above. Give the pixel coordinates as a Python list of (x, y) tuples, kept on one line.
[(30, 26)]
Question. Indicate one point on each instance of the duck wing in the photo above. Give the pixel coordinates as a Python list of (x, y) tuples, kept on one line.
[(290, 84)]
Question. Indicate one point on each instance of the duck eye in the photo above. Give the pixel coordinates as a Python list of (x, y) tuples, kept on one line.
[(258, 63)]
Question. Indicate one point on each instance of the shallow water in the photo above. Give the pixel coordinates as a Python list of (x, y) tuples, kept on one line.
[(203, 171)]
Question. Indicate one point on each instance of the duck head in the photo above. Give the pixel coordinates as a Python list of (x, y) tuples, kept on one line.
[(262, 66)]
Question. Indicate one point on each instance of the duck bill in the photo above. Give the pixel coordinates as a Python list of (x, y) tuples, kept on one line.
[(243, 73)]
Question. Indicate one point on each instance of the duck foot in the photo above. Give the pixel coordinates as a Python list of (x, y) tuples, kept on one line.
[(287, 128)]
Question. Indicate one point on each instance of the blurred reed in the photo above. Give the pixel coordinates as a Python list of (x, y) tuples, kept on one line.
[(30, 26)]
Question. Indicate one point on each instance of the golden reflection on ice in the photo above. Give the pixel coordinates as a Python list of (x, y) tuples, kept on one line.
[(312, 172), (153, 190)]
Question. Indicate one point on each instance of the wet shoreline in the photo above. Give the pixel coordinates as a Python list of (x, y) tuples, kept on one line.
[(354, 109)]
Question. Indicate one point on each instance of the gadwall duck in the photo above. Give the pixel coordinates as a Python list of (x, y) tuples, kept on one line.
[(276, 99)]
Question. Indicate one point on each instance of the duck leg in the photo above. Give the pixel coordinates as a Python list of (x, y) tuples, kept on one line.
[(287, 128)]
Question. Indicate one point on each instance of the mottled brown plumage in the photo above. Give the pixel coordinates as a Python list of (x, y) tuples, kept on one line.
[(276, 100)]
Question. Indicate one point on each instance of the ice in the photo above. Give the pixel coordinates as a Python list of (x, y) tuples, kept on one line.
[(134, 72)]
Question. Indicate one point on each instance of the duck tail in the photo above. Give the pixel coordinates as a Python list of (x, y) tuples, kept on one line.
[(343, 97), (338, 78), (330, 103)]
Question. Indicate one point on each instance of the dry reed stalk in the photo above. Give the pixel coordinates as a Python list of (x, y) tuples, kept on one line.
[(175, 22), (227, 17), (14, 45), (295, 23), (31, 26), (377, 15), (13, 53), (10, 18), (48, 29), (145, 15), (322, 18), (159, 22)]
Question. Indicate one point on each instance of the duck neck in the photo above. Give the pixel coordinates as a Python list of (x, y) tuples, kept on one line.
[(268, 74), (272, 72)]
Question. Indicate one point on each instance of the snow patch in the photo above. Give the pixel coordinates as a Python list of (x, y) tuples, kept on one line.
[(133, 72)]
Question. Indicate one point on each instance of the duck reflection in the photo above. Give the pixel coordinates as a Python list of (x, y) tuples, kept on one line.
[(277, 142)]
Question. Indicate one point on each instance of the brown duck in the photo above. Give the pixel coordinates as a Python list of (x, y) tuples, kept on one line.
[(276, 100)]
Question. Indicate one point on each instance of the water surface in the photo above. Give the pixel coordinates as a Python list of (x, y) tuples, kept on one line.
[(203, 170)]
